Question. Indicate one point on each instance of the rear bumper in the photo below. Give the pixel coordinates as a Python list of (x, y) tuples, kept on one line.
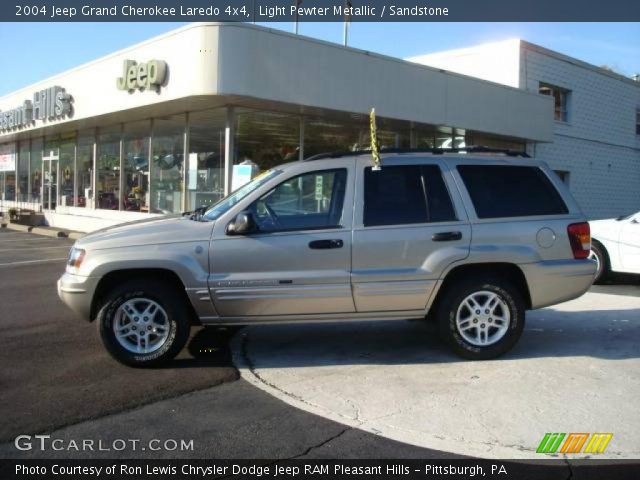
[(557, 281), (77, 292)]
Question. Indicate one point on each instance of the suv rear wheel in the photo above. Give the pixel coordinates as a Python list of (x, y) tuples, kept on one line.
[(143, 323), (481, 318)]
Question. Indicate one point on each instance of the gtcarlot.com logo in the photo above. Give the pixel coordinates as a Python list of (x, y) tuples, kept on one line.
[(46, 443)]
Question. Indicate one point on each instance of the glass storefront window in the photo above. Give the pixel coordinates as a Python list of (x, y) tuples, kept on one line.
[(108, 168), (205, 163), (8, 171), (494, 141), (64, 147), (23, 172), (35, 172), (135, 196), (322, 135), (167, 164), (267, 139), (84, 165)]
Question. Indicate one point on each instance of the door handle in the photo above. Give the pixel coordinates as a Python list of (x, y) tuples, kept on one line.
[(446, 236), (325, 244)]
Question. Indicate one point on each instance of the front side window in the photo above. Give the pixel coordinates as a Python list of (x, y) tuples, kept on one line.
[(406, 194), (638, 121), (499, 191), (560, 100), (310, 201), (224, 205)]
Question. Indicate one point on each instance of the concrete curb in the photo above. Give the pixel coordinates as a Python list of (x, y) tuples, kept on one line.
[(49, 232), (17, 227), (44, 231)]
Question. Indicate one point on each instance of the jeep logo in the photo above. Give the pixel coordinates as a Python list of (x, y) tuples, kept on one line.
[(143, 76)]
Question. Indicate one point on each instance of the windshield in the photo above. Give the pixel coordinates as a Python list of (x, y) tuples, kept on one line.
[(229, 201)]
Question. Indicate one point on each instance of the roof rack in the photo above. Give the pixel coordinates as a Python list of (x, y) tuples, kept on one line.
[(435, 151)]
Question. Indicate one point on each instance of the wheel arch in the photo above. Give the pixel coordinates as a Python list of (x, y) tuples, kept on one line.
[(502, 269), (114, 277)]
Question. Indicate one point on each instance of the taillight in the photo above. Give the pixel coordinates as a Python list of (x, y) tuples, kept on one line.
[(580, 239)]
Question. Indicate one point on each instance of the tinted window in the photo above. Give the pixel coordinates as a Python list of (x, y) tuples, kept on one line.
[(405, 194), (309, 201), (511, 191)]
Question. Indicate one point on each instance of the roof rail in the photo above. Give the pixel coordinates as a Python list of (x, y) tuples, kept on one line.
[(435, 151)]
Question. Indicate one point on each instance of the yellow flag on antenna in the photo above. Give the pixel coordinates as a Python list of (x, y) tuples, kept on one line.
[(375, 153)]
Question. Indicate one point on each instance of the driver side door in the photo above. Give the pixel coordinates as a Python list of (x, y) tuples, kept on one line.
[(298, 260)]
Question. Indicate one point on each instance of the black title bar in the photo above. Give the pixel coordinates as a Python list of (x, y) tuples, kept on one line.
[(319, 10), (319, 469)]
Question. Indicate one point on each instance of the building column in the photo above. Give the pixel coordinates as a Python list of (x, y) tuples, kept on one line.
[(121, 180), (413, 141), (185, 159), (94, 173), (150, 165), (229, 148), (301, 139)]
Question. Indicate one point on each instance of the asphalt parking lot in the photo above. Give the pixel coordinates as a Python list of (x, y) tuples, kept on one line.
[(58, 371), (305, 390), (57, 379)]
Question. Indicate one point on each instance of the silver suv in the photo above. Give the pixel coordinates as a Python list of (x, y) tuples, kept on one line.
[(468, 239)]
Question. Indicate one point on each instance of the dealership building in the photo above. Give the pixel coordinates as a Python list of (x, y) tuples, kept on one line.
[(158, 127), (596, 118)]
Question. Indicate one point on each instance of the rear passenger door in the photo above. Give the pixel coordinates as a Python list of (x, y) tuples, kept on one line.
[(407, 229)]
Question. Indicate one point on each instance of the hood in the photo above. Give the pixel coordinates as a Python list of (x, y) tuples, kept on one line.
[(152, 231)]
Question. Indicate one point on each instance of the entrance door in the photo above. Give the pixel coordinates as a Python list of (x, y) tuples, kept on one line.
[(50, 181), (298, 260)]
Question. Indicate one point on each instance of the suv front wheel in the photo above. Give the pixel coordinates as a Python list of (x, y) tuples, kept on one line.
[(481, 319), (143, 323)]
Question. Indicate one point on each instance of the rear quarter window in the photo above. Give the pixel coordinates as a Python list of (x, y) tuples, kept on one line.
[(499, 191)]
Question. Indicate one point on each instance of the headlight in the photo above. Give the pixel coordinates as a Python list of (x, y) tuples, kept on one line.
[(76, 256)]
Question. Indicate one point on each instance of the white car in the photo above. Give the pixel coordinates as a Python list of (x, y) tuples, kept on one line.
[(615, 245)]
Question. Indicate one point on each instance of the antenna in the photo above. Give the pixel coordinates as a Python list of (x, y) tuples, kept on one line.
[(375, 151)]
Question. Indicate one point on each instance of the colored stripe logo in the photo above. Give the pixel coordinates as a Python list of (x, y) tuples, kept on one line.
[(573, 442)]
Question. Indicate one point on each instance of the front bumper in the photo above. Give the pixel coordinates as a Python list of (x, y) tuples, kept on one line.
[(557, 281), (77, 292)]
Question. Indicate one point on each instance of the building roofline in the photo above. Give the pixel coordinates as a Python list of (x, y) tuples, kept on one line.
[(304, 38), (574, 61)]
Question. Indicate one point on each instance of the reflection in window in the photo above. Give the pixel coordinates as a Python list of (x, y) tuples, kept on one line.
[(167, 162), (136, 166), (493, 141), (35, 171), (108, 169), (205, 163), (84, 164), (66, 153), (268, 139), (23, 172)]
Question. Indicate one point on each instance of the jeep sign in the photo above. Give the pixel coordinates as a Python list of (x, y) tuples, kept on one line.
[(143, 76)]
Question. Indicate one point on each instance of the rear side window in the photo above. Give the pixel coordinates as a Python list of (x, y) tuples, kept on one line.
[(406, 194), (511, 191)]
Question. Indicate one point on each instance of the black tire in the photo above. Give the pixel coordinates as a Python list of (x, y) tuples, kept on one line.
[(178, 321), (604, 267), (448, 309)]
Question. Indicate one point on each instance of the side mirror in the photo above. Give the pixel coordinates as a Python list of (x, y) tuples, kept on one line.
[(243, 224)]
